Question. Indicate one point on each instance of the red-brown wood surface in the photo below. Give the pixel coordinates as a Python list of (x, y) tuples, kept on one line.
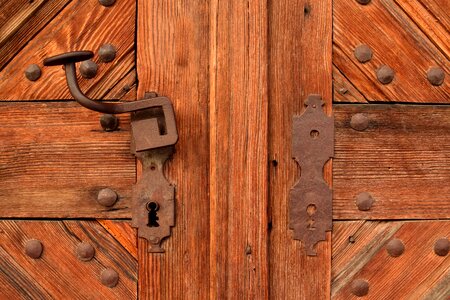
[(402, 159), (300, 64), (172, 60), (239, 149), (58, 273), (359, 252)]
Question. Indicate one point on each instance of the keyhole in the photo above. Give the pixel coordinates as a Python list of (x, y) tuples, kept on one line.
[(153, 218), (311, 210)]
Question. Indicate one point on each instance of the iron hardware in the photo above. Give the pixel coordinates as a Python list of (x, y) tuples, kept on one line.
[(154, 134), (311, 198)]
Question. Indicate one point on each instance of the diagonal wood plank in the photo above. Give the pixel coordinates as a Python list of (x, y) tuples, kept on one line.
[(20, 21), (123, 233), (418, 273), (58, 266), (81, 25), (300, 64), (396, 41)]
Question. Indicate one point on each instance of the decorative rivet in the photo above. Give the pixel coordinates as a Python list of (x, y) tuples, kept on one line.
[(363, 2), (33, 72), (107, 53), (88, 69), (109, 277), (359, 287), (85, 251), (107, 2), (441, 247), (359, 122), (33, 248), (364, 201), (385, 74), (436, 75), (395, 247), (363, 53), (109, 122), (107, 197)]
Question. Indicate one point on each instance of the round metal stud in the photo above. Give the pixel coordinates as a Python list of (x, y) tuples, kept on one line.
[(359, 122), (359, 287), (107, 2), (33, 72), (363, 2), (364, 201), (88, 69), (107, 197), (109, 277), (109, 122), (107, 53), (436, 76), (363, 53), (395, 247), (85, 251), (33, 248), (385, 74), (441, 247)]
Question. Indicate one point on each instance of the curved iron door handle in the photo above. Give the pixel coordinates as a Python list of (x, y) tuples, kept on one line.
[(68, 60)]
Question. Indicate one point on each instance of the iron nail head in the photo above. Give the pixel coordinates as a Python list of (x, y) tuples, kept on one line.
[(363, 2), (359, 122), (109, 277), (395, 247), (109, 122), (33, 248), (107, 2), (107, 53), (33, 72), (363, 53), (88, 69), (107, 197), (441, 247), (385, 74), (364, 201), (85, 251), (435, 76), (359, 287)]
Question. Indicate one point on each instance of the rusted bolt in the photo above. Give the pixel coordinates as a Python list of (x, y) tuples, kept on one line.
[(107, 53), (359, 122), (385, 74), (109, 277), (364, 201), (85, 251), (107, 2), (107, 197), (363, 53), (88, 69), (441, 247), (33, 72), (436, 75), (109, 122), (359, 287), (395, 247), (33, 248), (363, 2), (351, 239)]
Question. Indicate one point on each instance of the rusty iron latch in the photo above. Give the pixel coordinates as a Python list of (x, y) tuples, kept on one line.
[(310, 204), (154, 134)]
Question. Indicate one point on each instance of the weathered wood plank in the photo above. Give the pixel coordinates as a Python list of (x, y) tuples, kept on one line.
[(172, 60), (81, 25), (396, 41), (300, 64), (433, 18), (359, 252), (55, 157), (344, 90), (123, 233), (20, 21), (58, 274), (402, 159), (239, 149)]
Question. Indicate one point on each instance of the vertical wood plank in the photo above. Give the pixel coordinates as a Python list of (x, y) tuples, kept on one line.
[(172, 60), (300, 64), (239, 149)]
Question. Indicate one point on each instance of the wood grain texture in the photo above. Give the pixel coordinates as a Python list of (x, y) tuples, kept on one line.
[(123, 233), (20, 21), (55, 157), (58, 274), (81, 25), (300, 64), (396, 41), (402, 160), (417, 274), (172, 60), (239, 149), (344, 90)]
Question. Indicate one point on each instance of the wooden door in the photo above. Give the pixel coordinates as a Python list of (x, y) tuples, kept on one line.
[(237, 72)]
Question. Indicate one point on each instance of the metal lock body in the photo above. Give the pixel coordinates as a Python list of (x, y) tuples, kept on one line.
[(154, 135)]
